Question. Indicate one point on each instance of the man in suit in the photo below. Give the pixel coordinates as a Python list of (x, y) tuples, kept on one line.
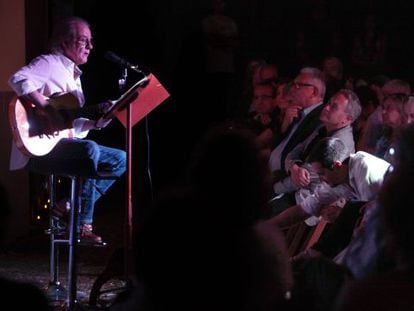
[(306, 96)]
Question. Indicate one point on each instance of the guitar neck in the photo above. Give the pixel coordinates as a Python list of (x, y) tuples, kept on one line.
[(90, 112)]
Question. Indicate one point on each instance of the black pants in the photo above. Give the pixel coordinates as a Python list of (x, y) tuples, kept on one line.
[(277, 206), (339, 234)]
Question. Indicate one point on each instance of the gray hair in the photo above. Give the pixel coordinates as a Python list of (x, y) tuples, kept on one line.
[(65, 30), (397, 86), (317, 78), (327, 151), (353, 108)]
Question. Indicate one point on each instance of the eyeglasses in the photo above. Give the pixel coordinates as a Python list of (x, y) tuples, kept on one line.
[(298, 85), (263, 97), (83, 42), (397, 96)]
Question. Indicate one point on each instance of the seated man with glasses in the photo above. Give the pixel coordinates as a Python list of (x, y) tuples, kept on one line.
[(84, 41), (305, 97), (57, 73)]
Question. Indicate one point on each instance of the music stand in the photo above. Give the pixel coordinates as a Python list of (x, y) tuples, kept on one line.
[(126, 100), (131, 107)]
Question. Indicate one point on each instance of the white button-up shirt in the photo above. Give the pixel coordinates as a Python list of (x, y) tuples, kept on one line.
[(52, 75), (366, 174)]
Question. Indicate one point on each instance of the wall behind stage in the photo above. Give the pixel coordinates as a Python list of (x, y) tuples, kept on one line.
[(14, 184)]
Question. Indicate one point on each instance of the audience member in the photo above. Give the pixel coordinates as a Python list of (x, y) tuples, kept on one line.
[(282, 102), (408, 111), (373, 127), (270, 126), (305, 95), (264, 115), (392, 115), (263, 104), (369, 102), (376, 83), (358, 176)]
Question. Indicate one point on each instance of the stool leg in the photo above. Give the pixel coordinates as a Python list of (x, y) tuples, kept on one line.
[(73, 241), (55, 290)]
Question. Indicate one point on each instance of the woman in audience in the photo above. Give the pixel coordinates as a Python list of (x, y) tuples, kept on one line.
[(392, 116), (369, 102)]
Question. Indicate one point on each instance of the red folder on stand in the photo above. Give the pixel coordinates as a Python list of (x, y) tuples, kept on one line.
[(144, 96)]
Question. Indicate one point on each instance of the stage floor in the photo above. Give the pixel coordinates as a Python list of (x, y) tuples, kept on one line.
[(28, 261)]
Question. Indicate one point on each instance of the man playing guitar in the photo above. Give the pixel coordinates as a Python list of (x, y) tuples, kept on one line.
[(57, 73)]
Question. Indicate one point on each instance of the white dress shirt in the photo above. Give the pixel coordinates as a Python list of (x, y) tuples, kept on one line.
[(366, 174), (52, 75)]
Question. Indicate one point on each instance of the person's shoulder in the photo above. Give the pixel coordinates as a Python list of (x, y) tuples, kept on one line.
[(369, 161), (52, 57), (45, 59), (366, 155)]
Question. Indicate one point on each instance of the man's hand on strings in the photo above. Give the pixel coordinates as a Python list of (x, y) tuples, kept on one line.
[(105, 106), (102, 123), (47, 120)]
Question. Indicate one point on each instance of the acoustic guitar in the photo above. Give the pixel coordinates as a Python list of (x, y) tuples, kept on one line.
[(29, 131), (31, 135)]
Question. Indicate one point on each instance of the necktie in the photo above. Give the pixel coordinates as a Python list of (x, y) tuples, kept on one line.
[(321, 134), (295, 121)]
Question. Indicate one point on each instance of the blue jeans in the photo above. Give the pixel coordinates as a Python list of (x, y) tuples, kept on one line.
[(83, 157)]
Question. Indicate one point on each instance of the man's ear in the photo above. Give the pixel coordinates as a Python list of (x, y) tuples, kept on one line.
[(337, 164), (316, 92), (65, 44)]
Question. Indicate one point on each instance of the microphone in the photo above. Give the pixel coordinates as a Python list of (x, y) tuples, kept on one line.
[(111, 56)]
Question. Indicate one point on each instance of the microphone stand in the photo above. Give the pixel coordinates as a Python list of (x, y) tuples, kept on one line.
[(128, 251), (128, 148)]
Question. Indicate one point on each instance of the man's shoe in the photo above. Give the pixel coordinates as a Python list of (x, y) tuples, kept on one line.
[(60, 212), (88, 237)]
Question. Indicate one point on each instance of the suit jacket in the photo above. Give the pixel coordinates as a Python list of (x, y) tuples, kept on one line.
[(308, 125)]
